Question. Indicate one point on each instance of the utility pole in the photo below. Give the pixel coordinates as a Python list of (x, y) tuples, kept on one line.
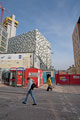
[(46, 61), (51, 57), (33, 58)]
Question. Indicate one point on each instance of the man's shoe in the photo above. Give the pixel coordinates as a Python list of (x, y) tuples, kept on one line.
[(47, 90), (23, 102), (34, 104)]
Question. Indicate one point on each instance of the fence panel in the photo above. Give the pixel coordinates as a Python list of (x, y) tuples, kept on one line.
[(75, 79)]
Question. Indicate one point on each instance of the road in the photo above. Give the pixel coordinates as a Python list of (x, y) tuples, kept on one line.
[(63, 103)]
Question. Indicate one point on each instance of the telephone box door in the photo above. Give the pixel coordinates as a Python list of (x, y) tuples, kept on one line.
[(19, 78)]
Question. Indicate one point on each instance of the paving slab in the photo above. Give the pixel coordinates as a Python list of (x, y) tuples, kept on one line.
[(63, 103)]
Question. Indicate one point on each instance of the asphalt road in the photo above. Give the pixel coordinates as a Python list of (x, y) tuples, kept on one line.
[(63, 103)]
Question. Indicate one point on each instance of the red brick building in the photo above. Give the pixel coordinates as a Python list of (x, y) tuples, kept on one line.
[(76, 46)]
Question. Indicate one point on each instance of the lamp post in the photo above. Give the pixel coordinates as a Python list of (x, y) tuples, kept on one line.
[(51, 59), (46, 61), (33, 58)]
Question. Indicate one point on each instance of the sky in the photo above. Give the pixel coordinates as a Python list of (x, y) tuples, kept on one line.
[(55, 19)]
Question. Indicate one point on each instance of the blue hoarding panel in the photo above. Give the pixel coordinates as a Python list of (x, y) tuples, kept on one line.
[(52, 79), (44, 77)]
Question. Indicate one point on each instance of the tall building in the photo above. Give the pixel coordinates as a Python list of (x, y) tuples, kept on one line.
[(11, 24), (34, 42), (76, 45), (3, 39)]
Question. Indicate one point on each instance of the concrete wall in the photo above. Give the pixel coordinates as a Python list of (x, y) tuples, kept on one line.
[(18, 60)]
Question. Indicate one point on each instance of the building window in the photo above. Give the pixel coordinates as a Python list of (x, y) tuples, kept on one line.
[(20, 56), (9, 57), (78, 45), (0, 30), (77, 37), (3, 44), (77, 62), (2, 49), (4, 33), (75, 48), (4, 39), (79, 53), (76, 30)]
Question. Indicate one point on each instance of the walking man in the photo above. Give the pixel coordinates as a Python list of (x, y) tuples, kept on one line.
[(30, 91)]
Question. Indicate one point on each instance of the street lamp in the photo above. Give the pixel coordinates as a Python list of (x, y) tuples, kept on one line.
[(46, 61), (51, 61), (33, 58)]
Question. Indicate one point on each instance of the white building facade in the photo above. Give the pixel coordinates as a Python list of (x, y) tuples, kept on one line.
[(34, 42)]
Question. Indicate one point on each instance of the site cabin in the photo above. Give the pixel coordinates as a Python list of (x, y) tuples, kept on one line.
[(35, 74)]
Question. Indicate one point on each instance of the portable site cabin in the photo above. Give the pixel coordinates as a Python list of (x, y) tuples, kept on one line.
[(35, 74)]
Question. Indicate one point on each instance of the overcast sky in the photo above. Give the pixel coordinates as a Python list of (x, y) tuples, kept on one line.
[(55, 19)]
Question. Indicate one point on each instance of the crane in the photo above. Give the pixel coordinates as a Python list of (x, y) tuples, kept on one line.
[(2, 12)]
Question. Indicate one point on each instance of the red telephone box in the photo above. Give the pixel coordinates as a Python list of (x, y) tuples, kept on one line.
[(12, 76), (17, 76), (35, 74), (20, 76)]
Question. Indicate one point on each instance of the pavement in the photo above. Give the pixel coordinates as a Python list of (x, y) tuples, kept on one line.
[(63, 103)]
